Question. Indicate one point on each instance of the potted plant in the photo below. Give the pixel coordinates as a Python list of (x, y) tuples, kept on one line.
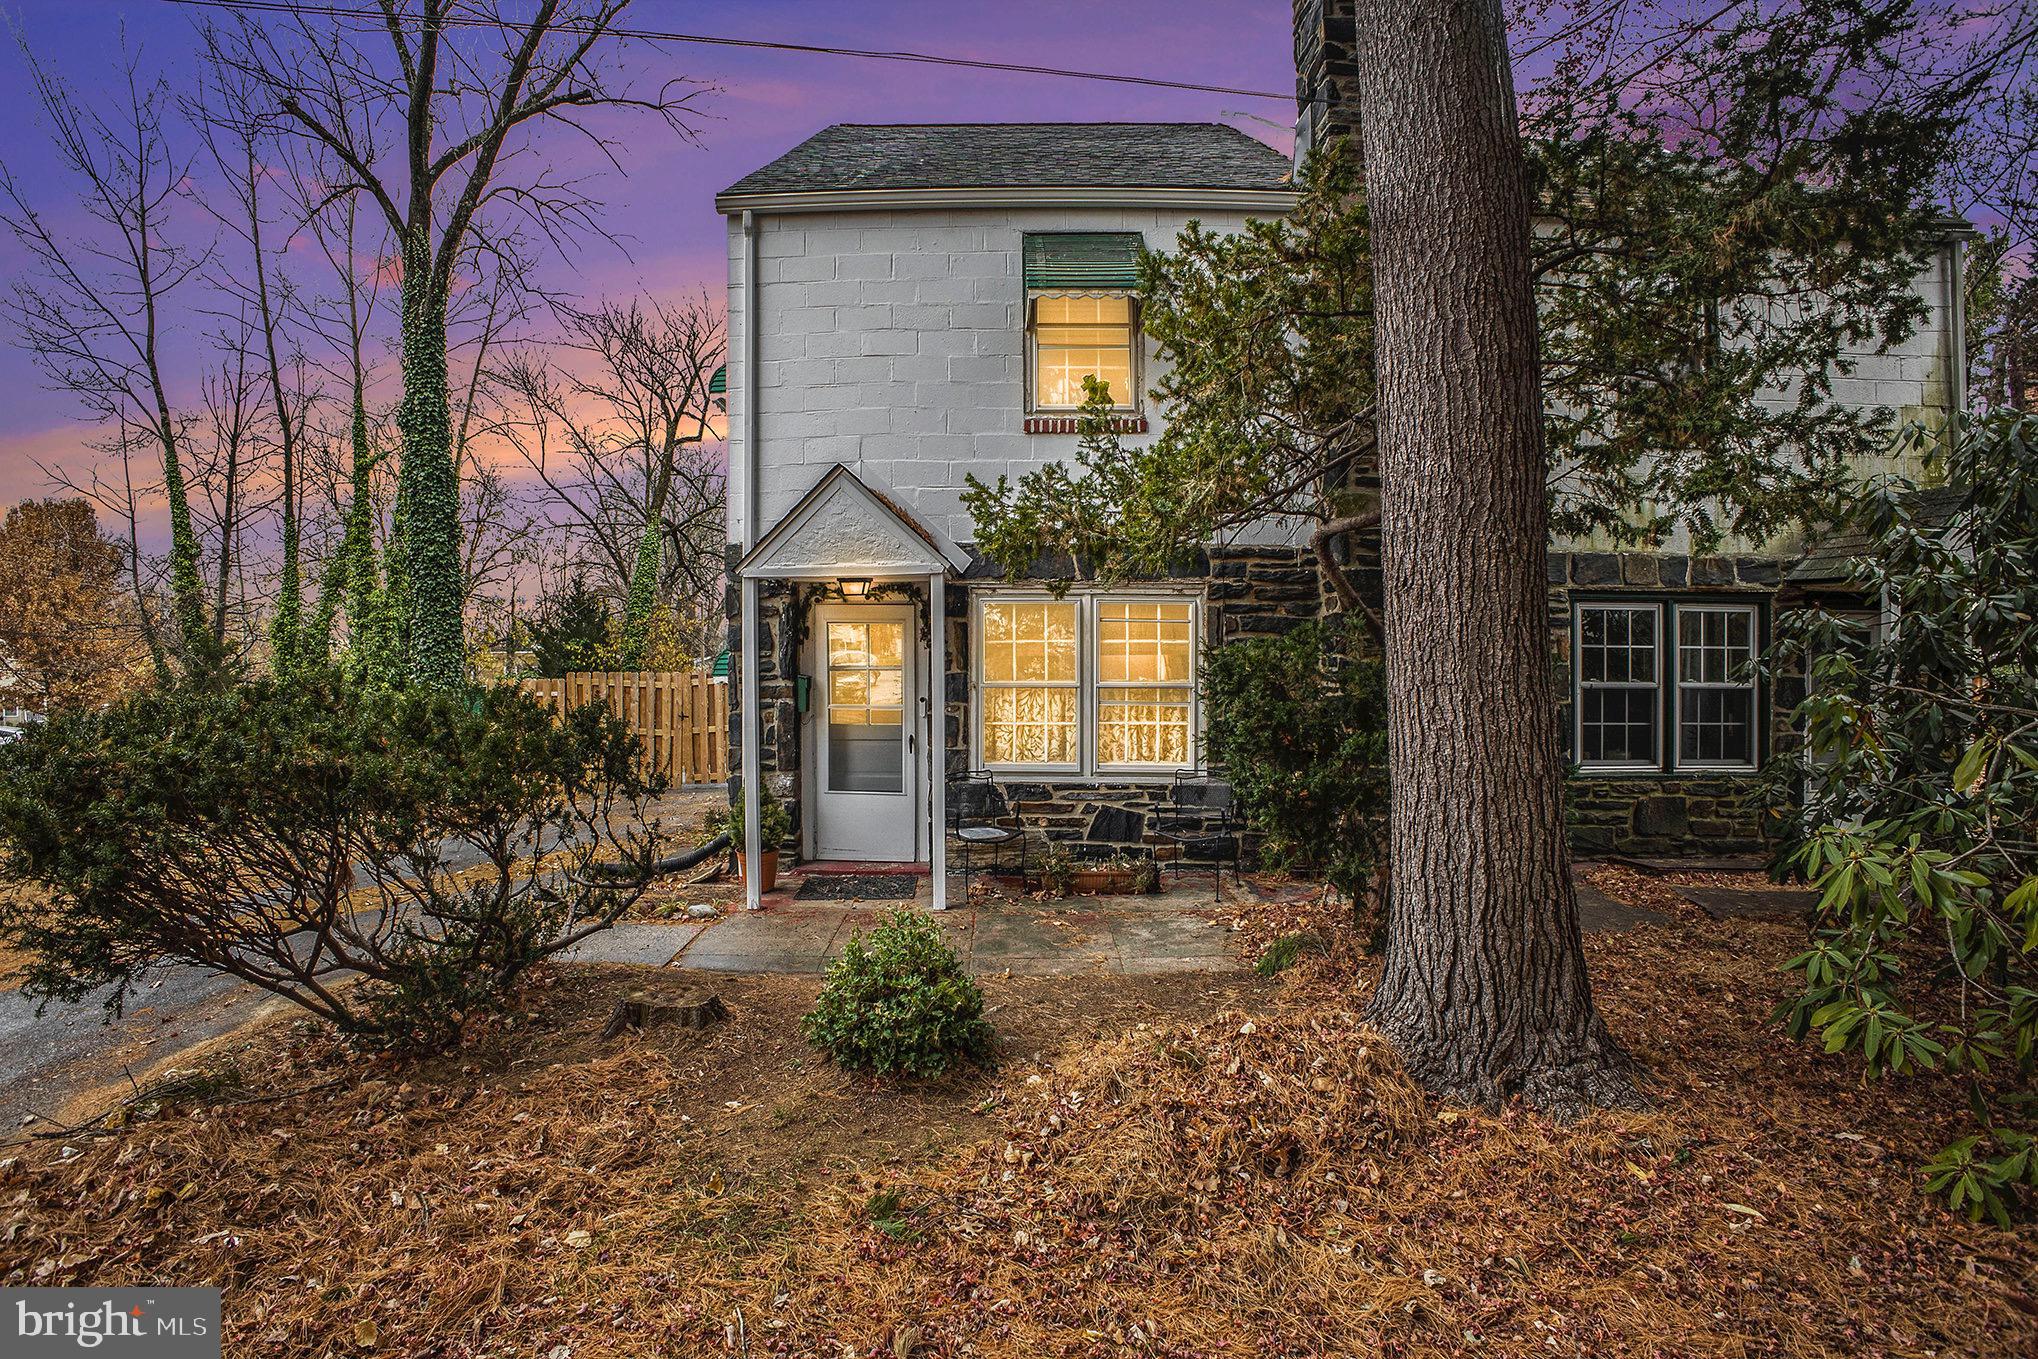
[(1114, 875), (1057, 870), (774, 824)]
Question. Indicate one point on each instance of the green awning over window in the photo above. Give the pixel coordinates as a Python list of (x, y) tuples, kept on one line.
[(718, 385), (721, 670), (1083, 259)]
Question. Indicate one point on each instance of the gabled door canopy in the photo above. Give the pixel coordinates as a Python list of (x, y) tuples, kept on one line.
[(845, 526)]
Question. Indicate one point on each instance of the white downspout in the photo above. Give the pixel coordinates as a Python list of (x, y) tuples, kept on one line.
[(1956, 327), (753, 720), (937, 736)]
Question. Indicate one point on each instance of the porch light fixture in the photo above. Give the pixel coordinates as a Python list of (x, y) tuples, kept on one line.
[(854, 587)]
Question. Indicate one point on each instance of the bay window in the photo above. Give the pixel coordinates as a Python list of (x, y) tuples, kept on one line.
[(1639, 666), (1088, 684)]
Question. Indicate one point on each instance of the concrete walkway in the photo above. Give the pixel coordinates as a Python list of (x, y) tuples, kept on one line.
[(1122, 936)]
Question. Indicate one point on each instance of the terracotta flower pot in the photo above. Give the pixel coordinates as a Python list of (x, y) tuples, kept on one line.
[(767, 862), (1092, 881)]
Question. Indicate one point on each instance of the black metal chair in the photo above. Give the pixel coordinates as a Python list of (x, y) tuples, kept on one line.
[(980, 816), (1197, 822)]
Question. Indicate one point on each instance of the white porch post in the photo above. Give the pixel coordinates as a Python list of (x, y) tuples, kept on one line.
[(753, 734), (937, 744)]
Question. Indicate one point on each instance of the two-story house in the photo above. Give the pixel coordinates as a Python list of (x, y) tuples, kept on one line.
[(912, 304)]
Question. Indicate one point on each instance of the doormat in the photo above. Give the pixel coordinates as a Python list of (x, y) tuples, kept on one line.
[(858, 887)]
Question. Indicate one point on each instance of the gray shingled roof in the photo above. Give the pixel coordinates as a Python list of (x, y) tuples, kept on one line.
[(1029, 155)]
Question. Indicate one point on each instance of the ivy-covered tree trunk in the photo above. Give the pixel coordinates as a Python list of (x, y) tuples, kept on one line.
[(1484, 990), (187, 591), (429, 482), (369, 658), (642, 601)]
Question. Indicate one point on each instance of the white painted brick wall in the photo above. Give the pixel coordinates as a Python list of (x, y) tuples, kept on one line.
[(894, 344)]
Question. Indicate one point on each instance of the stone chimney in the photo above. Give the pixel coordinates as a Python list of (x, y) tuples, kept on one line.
[(1326, 74)]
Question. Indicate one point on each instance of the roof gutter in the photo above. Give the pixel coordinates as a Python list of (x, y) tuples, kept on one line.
[(1017, 196)]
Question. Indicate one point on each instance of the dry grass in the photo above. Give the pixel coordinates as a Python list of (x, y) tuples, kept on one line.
[(1166, 1166)]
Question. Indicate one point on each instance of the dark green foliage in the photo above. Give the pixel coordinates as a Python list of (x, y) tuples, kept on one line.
[(1299, 724), (571, 630), (1917, 818), (774, 823), (1685, 273), (898, 1000), (434, 572), (1267, 337), (228, 825), (642, 601)]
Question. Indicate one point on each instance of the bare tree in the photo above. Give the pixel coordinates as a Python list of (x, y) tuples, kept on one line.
[(93, 317), (434, 133), (619, 443), (1484, 991)]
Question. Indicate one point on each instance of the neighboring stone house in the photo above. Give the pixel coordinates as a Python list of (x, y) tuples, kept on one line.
[(912, 304)]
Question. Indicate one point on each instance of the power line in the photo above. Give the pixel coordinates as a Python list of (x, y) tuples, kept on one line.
[(714, 40)]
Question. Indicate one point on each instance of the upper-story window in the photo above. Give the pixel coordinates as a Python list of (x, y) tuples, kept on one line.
[(1082, 317)]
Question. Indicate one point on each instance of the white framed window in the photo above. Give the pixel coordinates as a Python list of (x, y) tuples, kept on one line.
[(1666, 685), (1146, 683), (1074, 335), (1089, 684), (1716, 699), (1619, 694), (1028, 680)]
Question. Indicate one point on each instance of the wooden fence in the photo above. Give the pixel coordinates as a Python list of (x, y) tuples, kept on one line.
[(682, 716)]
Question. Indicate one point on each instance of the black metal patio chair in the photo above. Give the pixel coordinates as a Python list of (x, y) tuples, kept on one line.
[(1197, 822), (981, 817)]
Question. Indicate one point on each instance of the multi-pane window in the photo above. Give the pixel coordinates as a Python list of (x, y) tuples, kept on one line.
[(866, 706), (1618, 688), (1704, 653), (1086, 684), (1145, 689), (1077, 336), (1716, 686), (1029, 681)]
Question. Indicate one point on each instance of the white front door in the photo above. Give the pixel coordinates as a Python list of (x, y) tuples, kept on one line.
[(866, 798)]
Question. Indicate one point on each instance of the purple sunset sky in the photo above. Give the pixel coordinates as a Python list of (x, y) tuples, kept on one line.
[(768, 101)]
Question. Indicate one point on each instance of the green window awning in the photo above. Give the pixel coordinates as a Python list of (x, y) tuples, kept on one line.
[(1083, 259), (718, 385), (721, 670)]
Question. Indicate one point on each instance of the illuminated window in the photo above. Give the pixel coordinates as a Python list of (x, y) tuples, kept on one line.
[(1145, 689), (1086, 684), (1028, 654), (1077, 336)]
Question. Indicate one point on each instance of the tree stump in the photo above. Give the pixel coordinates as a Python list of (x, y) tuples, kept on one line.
[(639, 1011)]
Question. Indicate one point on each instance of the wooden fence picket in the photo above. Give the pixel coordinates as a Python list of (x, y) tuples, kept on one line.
[(681, 716)]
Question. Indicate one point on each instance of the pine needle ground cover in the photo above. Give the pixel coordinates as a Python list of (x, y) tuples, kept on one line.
[(1169, 1166)]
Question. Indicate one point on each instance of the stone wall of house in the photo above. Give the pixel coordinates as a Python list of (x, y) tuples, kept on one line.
[(1675, 813), (1259, 592)]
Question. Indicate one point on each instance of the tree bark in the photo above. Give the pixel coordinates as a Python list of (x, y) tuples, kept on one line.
[(430, 483), (1484, 989)]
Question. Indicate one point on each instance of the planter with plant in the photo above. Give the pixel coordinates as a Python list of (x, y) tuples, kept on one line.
[(774, 826), (1057, 870)]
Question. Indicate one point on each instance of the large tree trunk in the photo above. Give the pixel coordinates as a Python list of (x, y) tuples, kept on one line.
[(1484, 989), (430, 483)]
